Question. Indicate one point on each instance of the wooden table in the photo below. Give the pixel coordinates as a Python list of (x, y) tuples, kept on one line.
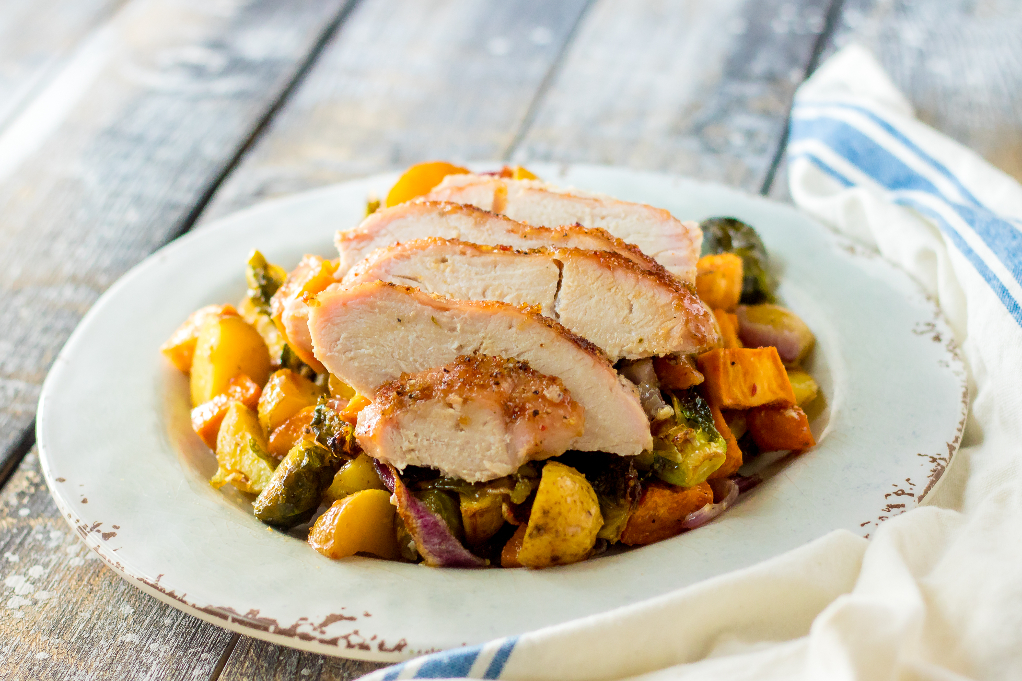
[(126, 123)]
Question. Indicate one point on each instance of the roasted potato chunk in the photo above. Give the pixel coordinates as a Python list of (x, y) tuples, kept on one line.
[(226, 346), (207, 417), (241, 452), (362, 522), (564, 521), (356, 475), (285, 394), (180, 347)]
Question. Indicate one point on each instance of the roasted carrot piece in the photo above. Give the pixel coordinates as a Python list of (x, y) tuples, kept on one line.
[(719, 280), (742, 378), (207, 417), (677, 373), (728, 324), (661, 511), (776, 428), (734, 454)]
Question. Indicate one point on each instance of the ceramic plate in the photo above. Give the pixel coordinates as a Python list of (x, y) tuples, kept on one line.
[(128, 473)]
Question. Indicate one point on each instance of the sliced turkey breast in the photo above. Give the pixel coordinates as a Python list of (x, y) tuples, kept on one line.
[(371, 333), (423, 219), (657, 233), (476, 419), (626, 311)]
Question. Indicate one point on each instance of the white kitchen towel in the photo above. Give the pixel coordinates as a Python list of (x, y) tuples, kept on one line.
[(937, 592)]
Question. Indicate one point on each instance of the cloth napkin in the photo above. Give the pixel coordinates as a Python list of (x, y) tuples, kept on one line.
[(937, 592)]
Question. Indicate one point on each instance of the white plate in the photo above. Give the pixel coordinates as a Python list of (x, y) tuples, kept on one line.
[(127, 472)]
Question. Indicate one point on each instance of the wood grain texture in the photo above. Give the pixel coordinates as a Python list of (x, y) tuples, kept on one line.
[(959, 62), (254, 660), (407, 81), (36, 37), (64, 615), (107, 163), (691, 87)]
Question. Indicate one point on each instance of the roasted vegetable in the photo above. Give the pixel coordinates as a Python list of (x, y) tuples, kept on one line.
[(661, 512), (284, 437), (565, 519), (207, 417), (433, 538), (279, 350), (728, 324), (616, 483), (742, 378), (803, 385), (356, 404), (719, 280), (481, 515), (772, 325), (294, 492), (227, 346), (687, 447), (339, 388), (730, 235), (362, 522), (180, 347), (509, 555), (241, 452), (445, 506), (263, 281), (677, 373), (284, 395), (355, 475), (330, 431), (643, 375), (733, 458), (777, 428), (419, 180)]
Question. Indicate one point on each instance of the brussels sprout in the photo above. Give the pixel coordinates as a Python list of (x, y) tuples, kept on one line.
[(615, 479), (263, 281), (687, 448), (297, 485), (731, 235)]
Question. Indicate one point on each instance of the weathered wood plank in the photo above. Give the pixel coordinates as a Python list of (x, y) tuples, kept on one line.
[(64, 615), (406, 81), (958, 62), (36, 36), (108, 163), (254, 660), (697, 88)]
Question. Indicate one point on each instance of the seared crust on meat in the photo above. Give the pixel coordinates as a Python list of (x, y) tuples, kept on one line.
[(658, 234), (421, 219), (626, 310), (478, 418), (371, 333)]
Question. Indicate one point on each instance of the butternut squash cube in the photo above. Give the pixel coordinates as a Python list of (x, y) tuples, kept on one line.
[(733, 460), (419, 180), (226, 346), (719, 280), (742, 378), (180, 347), (241, 452), (207, 417), (662, 510), (362, 522), (779, 428)]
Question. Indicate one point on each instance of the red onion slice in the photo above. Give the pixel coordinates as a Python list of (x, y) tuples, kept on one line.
[(433, 539), (710, 511)]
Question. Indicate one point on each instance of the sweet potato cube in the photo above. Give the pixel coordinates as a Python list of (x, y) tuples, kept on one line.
[(286, 435), (207, 417), (676, 373), (728, 324), (743, 378), (734, 454), (777, 428), (719, 280), (180, 347), (509, 554), (661, 511)]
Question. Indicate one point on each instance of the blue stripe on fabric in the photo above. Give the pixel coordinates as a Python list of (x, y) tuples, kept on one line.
[(450, 663), (395, 672), (1002, 238), (1010, 304), (500, 658), (909, 144)]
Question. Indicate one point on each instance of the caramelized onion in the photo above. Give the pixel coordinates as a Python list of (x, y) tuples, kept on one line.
[(711, 511)]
